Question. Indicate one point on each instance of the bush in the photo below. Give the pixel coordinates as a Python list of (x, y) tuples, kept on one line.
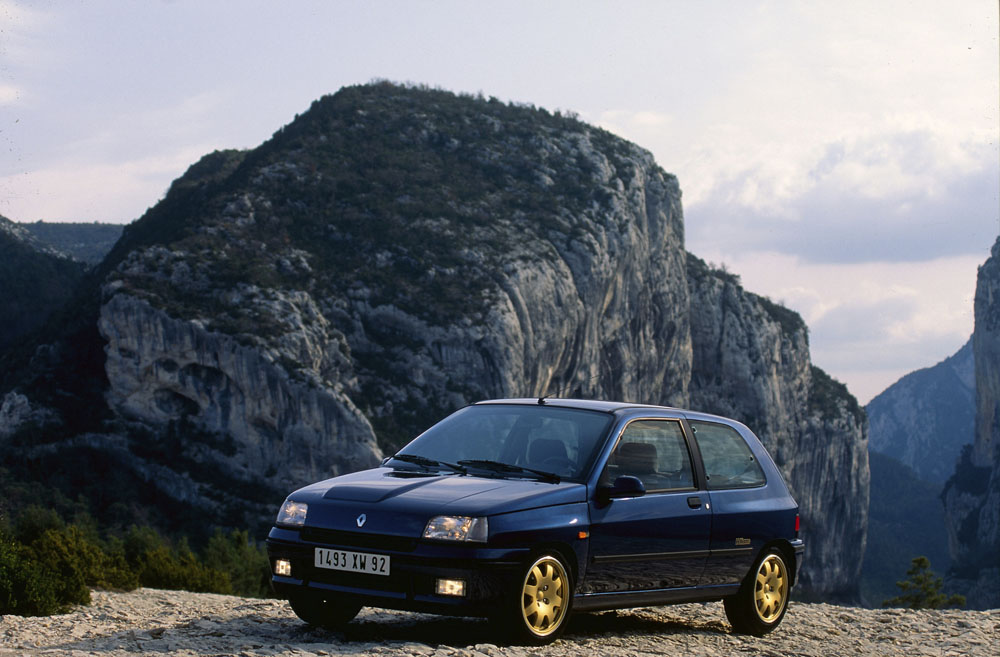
[(47, 566), (57, 569), (35, 521), (923, 589), (161, 566), (23, 588), (65, 559), (245, 563)]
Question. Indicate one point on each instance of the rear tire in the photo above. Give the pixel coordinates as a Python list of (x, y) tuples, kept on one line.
[(328, 611), (762, 600)]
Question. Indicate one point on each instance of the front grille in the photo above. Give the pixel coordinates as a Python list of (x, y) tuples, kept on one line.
[(339, 538)]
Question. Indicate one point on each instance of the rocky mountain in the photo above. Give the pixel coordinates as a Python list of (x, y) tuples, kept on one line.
[(750, 360), (295, 311), (925, 418), (35, 280), (972, 495), (86, 242)]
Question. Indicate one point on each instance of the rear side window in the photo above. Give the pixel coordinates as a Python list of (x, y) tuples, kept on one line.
[(729, 463), (655, 452)]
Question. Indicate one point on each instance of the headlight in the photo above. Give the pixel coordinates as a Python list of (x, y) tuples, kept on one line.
[(292, 513), (457, 528)]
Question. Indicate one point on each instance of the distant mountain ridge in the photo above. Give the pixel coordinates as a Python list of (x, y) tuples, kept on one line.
[(292, 312), (86, 242), (35, 281), (925, 418)]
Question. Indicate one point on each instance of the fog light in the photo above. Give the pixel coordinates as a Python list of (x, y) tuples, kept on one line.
[(451, 587), (283, 568)]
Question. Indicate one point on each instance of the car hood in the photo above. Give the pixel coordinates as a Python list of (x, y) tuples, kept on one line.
[(398, 504)]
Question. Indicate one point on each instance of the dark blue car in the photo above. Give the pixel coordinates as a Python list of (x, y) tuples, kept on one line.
[(525, 510)]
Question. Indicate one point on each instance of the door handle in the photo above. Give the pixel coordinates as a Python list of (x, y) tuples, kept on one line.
[(694, 502)]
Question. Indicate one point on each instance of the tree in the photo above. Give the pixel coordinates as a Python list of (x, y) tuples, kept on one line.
[(923, 589)]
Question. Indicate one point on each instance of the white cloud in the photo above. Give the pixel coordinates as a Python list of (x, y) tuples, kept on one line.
[(814, 78)]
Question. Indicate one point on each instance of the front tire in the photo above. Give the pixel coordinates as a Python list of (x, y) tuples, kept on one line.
[(328, 611), (762, 600), (536, 611)]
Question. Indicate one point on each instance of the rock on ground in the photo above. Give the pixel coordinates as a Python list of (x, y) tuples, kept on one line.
[(149, 621)]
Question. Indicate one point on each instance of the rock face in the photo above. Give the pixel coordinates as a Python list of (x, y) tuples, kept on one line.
[(751, 361), (282, 432), (972, 495), (396, 253), (17, 410), (924, 419)]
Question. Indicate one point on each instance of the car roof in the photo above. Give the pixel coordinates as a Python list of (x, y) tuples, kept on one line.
[(585, 404), (610, 407)]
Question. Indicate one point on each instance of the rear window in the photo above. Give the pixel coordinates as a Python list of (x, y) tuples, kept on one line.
[(729, 463)]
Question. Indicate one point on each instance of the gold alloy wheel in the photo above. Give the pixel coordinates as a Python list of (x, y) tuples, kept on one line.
[(544, 596), (771, 590)]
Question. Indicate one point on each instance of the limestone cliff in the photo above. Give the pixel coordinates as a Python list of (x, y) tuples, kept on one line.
[(282, 432), (395, 253), (751, 361), (972, 495)]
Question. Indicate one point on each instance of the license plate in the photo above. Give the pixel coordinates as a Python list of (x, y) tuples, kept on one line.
[(353, 562)]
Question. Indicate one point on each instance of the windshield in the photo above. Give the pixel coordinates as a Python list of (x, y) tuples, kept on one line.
[(563, 441)]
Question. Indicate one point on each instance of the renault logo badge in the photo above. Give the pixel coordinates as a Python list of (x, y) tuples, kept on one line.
[(361, 520)]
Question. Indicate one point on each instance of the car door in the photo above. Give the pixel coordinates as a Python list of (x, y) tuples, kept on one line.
[(657, 540), (744, 515)]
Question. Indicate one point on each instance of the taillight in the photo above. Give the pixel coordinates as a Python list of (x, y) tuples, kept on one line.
[(796, 525)]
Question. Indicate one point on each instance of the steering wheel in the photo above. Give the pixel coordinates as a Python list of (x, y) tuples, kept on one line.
[(558, 464)]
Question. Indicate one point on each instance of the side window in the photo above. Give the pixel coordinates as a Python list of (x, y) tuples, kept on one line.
[(729, 463), (655, 452)]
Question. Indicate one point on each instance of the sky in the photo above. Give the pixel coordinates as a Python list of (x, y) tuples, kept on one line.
[(842, 157)]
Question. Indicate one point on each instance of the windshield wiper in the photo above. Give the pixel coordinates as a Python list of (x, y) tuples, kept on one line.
[(427, 463), (497, 466)]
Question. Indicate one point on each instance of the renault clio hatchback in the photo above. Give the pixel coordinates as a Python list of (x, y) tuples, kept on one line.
[(526, 510)]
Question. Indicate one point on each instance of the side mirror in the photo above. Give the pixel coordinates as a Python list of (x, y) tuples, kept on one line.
[(624, 486)]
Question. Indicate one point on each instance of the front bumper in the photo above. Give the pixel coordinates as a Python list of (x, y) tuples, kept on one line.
[(415, 568)]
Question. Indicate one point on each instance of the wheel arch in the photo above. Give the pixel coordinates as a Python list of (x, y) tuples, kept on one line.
[(565, 552)]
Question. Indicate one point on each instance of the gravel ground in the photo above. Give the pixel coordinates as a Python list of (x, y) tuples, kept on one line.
[(149, 621)]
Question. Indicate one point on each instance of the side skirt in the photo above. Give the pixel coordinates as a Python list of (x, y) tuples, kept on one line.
[(626, 599)]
